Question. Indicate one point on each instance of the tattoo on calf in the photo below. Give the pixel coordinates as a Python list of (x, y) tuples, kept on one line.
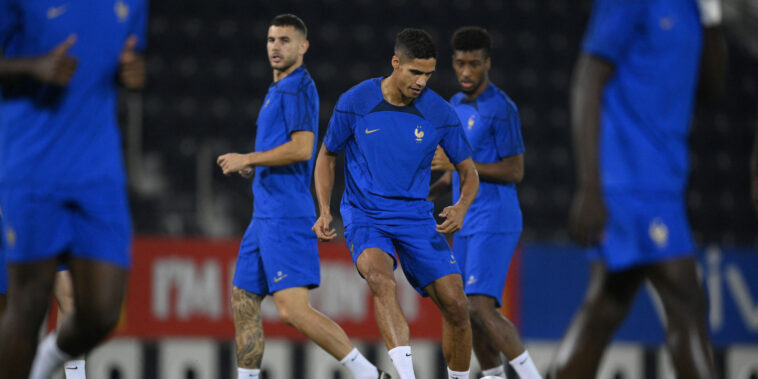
[(248, 326)]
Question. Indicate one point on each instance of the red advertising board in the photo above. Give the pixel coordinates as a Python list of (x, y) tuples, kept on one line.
[(182, 287)]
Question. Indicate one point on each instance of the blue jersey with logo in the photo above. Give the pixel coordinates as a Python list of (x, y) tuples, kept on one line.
[(389, 151), (493, 130), (53, 138), (655, 47), (291, 105)]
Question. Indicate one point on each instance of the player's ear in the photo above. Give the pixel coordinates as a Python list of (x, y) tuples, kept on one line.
[(395, 62), (487, 63), (304, 46)]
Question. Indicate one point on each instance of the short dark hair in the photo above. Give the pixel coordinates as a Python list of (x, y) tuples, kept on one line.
[(289, 19), (415, 43), (470, 38)]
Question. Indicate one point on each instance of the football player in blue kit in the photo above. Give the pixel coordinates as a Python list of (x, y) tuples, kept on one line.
[(490, 234), (62, 179), (632, 99), (278, 255), (388, 129)]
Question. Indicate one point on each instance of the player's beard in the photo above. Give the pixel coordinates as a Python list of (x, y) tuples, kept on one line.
[(285, 64), (473, 88)]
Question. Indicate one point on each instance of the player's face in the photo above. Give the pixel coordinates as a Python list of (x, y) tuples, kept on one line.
[(413, 74), (471, 69), (286, 46)]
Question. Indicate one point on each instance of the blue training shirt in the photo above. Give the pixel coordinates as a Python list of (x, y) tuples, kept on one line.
[(655, 48), (389, 151), (493, 129), (53, 138), (291, 105)]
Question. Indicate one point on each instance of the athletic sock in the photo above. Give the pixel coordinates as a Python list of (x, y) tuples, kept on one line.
[(248, 373), (403, 362), (498, 371), (457, 374), (49, 358), (524, 366), (74, 369), (359, 366)]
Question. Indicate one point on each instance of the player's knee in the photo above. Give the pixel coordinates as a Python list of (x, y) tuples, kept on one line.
[(381, 283), (287, 314), (456, 310), (477, 313)]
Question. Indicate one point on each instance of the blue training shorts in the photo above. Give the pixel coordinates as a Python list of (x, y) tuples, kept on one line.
[(424, 254), (484, 259), (276, 254), (643, 229), (91, 222)]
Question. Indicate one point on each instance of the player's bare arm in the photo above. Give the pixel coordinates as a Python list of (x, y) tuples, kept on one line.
[(131, 70), (455, 213), (442, 185), (588, 212), (441, 162), (507, 170), (323, 179), (298, 149), (56, 67)]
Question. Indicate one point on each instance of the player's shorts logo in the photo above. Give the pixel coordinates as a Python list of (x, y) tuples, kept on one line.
[(471, 121), (10, 236), (279, 276), (55, 12), (372, 131), (659, 232), (471, 280), (419, 134), (122, 10)]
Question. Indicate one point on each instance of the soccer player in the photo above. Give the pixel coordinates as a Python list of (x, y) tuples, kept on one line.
[(492, 227), (279, 254), (632, 98), (62, 181), (389, 129)]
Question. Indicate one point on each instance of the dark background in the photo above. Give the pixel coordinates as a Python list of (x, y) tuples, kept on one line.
[(208, 73)]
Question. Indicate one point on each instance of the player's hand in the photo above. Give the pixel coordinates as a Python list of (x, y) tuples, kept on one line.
[(247, 172), (131, 69), (588, 217), (441, 161), (232, 162), (323, 228), (453, 216), (56, 67)]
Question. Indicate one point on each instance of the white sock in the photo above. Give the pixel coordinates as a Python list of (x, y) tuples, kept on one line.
[(498, 371), (74, 369), (48, 358), (248, 373), (359, 366), (457, 374), (403, 361), (524, 366)]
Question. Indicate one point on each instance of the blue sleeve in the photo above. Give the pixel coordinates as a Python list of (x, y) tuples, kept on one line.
[(300, 111), (612, 25), (340, 127), (9, 19), (138, 26), (508, 138), (454, 140)]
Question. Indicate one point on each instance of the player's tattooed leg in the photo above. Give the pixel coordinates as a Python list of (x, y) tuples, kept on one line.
[(248, 326)]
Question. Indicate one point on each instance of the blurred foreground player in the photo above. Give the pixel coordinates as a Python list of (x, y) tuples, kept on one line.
[(62, 180), (632, 99)]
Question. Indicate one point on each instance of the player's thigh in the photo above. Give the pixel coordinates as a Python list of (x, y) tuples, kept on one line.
[(644, 228), (289, 251), (424, 254), (35, 226), (677, 284), (102, 225), (249, 273), (486, 263), (363, 242)]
